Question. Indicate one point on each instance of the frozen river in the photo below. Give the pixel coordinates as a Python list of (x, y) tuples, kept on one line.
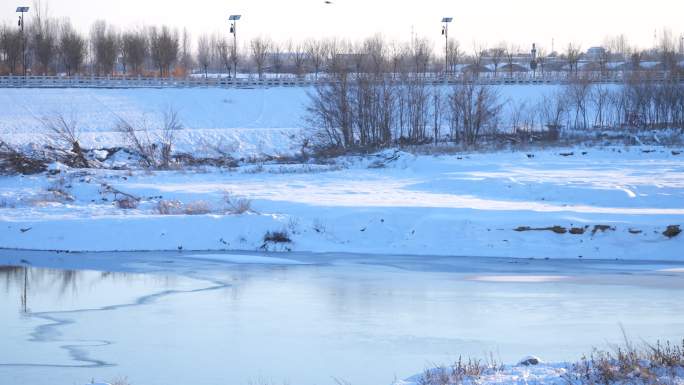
[(305, 319)]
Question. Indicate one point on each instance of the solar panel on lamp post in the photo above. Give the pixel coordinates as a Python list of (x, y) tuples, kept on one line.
[(233, 29), (445, 32), (22, 10)]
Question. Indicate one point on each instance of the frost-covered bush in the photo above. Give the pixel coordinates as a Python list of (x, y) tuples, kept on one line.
[(236, 205), (196, 208), (127, 203), (169, 207)]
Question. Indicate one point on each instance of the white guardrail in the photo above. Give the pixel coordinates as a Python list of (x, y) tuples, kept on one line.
[(33, 81)]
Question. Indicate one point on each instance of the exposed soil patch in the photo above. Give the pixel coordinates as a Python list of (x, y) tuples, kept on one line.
[(555, 229), (601, 228), (672, 231), (578, 230)]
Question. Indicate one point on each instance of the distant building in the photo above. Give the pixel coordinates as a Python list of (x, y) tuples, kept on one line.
[(595, 53)]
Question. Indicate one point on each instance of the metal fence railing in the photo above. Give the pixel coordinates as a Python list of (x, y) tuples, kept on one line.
[(34, 81)]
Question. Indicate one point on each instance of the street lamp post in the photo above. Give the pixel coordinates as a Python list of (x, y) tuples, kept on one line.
[(533, 62), (445, 32), (233, 29), (22, 10)]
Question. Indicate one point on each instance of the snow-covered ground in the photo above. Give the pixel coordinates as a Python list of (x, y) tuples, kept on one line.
[(607, 203), (543, 373), (241, 122)]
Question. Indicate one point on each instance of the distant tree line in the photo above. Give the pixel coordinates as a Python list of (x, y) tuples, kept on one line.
[(54, 47)]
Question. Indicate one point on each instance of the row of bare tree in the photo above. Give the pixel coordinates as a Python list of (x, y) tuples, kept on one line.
[(54, 46), (364, 111)]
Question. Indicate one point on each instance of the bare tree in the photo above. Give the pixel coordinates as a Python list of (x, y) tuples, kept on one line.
[(331, 113), (134, 51), (10, 45), (204, 53), (668, 50), (421, 54), (635, 60), (315, 53), (105, 46), (224, 53), (510, 53), (497, 55), (164, 49), (72, 47), (578, 92), (541, 60), (397, 56), (603, 59), (479, 52), (65, 133), (375, 50), (618, 44), (234, 58), (553, 110), (44, 42), (276, 54), (573, 57), (155, 149), (454, 54), (260, 47), (297, 51), (600, 97), (332, 56), (186, 61), (473, 111)]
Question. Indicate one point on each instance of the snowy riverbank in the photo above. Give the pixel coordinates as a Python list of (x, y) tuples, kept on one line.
[(559, 203)]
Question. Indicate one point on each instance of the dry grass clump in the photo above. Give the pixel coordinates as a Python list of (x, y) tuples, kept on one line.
[(121, 381), (277, 237), (174, 207), (231, 205), (460, 372), (56, 192), (657, 364)]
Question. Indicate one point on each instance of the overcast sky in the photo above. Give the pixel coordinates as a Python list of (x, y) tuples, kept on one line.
[(585, 22)]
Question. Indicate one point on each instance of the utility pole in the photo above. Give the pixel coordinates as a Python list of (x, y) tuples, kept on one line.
[(233, 29), (22, 11), (445, 32)]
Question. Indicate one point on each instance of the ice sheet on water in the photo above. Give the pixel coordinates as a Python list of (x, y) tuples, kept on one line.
[(246, 259)]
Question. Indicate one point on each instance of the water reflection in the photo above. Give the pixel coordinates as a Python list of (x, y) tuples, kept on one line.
[(66, 285), (14, 274)]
